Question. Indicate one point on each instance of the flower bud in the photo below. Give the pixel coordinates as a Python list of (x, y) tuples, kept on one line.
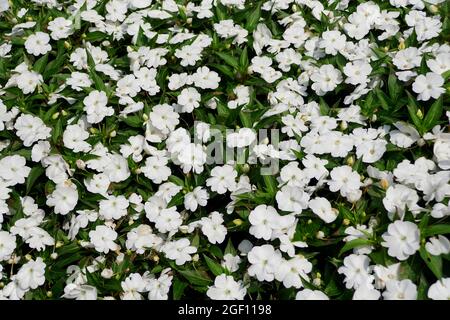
[(54, 256), (155, 258), (434, 8), (107, 273), (344, 125), (67, 45), (55, 115), (419, 114), (28, 257), (350, 161), (184, 229), (195, 257), (80, 164), (113, 133), (237, 222), (384, 184), (49, 294), (421, 142), (59, 244), (320, 235), (345, 222), (245, 168)]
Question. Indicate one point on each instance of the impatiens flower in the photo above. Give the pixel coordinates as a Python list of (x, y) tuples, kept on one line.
[(402, 239), (102, 238), (440, 290), (428, 86), (13, 170), (64, 198), (400, 290), (32, 274), (226, 288), (114, 207), (356, 271), (38, 43), (7, 245), (179, 250), (264, 262), (308, 294), (323, 209)]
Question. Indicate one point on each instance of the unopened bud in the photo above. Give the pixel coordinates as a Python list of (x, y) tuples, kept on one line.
[(55, 115), (54, 256), (49, 294), (345, 222), (421, 142), (195, 257), (419, 114), (155, 258), (113, 133), (320, 235), (59, 244), (237, 222), (107, 273), (384, 183), (184, 229), (145, 117), (350, 161), (28, 257), (67, 45), (80, 164), (434, 8), (344, 125), (245, 168)]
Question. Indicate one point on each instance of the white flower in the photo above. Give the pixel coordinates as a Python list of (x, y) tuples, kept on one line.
[(179, 250), (222, 179), (60, 28), (226, 288), (322, 207), (325, 79), (64, 198), (156, 169), (292, 199), (95, 106), (308, 294), (38, 43), (102, 238), (400, 290), (440, 290), (402, 239), (189, 99), (264, 262), (205, 79), (356, 271), (292, 271), (230, 262), (198, 197), (31, 129), (438, 245), (32, 274), (398, 198), (213, 228), (73, 138), (164, 118), (428, 86), (114, 207), (263, 220), (13, 170), (7, 245)]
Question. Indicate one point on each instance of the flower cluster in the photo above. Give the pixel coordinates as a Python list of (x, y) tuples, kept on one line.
[(114, 120)]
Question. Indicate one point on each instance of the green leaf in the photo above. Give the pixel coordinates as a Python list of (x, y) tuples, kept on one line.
[(412, 110), (434, 114), (382, 98), (215, 268), (434, 263), (230, 248), (393, 86), (98, 82), (230, 60), (34, 174), (178, 289), (243, 60), (354, 244), (253, 18), (41, 63), (196, 277), (436, 229), (271, 184)]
